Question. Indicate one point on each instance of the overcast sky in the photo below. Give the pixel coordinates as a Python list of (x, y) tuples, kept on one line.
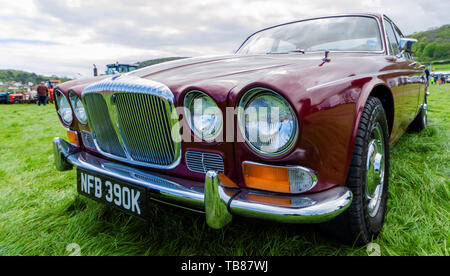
[(65, 37)]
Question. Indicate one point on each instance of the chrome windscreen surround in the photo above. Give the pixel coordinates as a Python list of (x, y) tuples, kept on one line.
[(132, 119)]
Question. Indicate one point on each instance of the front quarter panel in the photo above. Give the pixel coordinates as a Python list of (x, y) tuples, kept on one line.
[(328, 116), (326, 121)]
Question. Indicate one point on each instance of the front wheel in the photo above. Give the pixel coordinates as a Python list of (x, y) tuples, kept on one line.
[(368, 179)]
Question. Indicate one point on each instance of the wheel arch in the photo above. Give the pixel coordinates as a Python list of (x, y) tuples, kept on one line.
[(377, 89), (384, 94), (381, 91)]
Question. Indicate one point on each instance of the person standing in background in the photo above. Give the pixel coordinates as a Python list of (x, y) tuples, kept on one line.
[(42, 92)]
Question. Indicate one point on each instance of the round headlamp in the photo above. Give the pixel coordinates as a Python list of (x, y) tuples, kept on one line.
[(267, 122), (64, 110), (78, 108), (203, 115)]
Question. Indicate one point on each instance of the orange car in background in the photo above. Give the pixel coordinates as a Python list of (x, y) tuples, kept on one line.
[(16, 98)]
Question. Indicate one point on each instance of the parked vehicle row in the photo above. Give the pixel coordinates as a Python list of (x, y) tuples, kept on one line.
[(29, 96), (440, 77), (18, 98)]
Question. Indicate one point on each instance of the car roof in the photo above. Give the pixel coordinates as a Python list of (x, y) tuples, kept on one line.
[(378, 15)]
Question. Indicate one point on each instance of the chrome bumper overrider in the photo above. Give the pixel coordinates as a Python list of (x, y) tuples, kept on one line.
[(217, 202)]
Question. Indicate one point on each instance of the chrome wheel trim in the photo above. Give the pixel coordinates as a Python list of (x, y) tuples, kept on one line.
[(375, 170)]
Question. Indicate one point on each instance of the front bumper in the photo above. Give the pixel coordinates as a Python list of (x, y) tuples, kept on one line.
[(217, 202)]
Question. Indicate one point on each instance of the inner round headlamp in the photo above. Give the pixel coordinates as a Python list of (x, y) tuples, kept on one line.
[(78, 108), (203, 115)]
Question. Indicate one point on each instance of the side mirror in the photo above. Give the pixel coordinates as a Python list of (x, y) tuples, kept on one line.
[(406, 44)]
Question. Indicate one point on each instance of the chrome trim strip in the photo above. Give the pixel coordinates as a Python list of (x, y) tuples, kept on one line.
[(314, 208), (356, 77), (130, 83), (386, 41), (212, 198)]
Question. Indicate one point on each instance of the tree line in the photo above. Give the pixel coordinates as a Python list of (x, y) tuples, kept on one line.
[(433, 45), (25, 77)]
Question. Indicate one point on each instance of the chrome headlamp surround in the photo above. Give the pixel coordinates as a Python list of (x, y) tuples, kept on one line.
[(253, 94), (78, 108), (63, 108), (216, 125)]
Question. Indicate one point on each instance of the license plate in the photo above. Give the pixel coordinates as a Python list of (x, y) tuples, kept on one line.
[(113, 192)]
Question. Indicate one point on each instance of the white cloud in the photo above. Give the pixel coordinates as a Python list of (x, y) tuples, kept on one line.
[(77, 33)]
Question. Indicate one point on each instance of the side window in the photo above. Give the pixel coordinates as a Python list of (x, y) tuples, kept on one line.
[(392, 40)]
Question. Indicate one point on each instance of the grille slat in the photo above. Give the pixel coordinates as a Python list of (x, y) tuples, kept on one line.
[(167, 144), (202, 162), (154, 105), (102, 126), (143, 128), (156, 156)]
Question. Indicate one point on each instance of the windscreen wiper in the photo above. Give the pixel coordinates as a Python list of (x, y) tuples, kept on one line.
[(291, 51), (297, 51)]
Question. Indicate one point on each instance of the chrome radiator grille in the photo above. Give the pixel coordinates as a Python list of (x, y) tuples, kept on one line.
[(144, 122), (130, 120)]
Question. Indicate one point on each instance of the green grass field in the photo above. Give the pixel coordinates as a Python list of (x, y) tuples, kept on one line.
[(441, 67), (41, 213)]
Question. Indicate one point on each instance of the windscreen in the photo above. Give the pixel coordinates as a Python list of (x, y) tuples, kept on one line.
[(352, 33)]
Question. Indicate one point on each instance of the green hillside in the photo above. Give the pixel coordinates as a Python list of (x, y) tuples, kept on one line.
[(25, 77), (433, 45)]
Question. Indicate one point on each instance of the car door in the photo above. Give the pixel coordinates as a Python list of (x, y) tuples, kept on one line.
[(417, 81), (403, 80)]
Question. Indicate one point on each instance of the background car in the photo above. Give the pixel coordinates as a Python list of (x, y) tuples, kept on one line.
[(16, 98), (4, 98)]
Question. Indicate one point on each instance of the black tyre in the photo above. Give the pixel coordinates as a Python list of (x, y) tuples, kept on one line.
[(421, 120), (368, 179)]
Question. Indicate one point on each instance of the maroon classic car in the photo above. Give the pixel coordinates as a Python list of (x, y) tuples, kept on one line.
[(295, 127)]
